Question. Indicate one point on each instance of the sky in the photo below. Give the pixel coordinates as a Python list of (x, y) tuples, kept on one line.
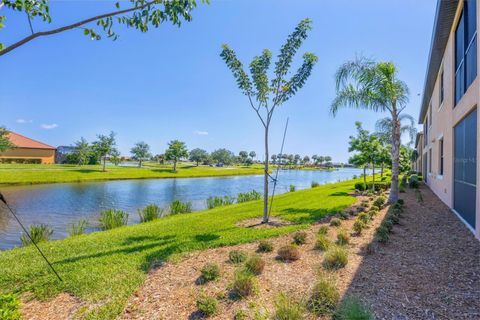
[(171, 83)]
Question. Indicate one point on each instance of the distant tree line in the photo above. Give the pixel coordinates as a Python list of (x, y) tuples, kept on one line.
[(290, 159)]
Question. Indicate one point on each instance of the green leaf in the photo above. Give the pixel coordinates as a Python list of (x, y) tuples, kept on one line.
[(86, 31), (117, 5)]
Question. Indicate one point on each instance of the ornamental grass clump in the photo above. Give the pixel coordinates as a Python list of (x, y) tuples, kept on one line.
[(77, 228), (264, 246), (237, 256), (344, 215), (315, 184), (208, 306), (364, 217), (299, 238), (248, 196), (287, 308), (113, 218), (323, 230), (255, 264), (324, 297), (382, 234), (244, 284), (292, 188), (213, 202), (209, 272), (322, 243), (38, 233), (335, 222), (178, 206), (380, 202), (288, 253), (342, 237), (336, 257), (149, 213), (353, 309), (358, 226)]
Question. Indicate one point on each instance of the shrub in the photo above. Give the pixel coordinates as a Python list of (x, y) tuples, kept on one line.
[(288, 253), (286, 308), (360, 186), (335, 257), (360, 209), (77, 228), (150, 213), (397, 206), (324, 297), (373, 213), (388, 224), (38, 233), (323, 230), (394, 218), (248, 196), (335, 222), (299, 238), (208, 306), (315, 184), (244, 284), (237, 256), (292, 188), (401, 202), (112, 218), (342, 237), (178, 206), (240, 315), (364, 203), (382, 234), (322, 243), (375, 207), (9, 307), (364, 217), (413, 181), (380, 201), (353, 309), (344, 215), (255, 264), (401, 188), (264, 246), (358, 226), (371, 248), (213, 202), (209, 272)]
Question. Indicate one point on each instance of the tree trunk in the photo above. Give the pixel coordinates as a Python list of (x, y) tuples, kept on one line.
[(104, 160), (265, 180), (381, 170), (365, 174), (139, 163), (197, 163), (373, 171), (395, 157), (175, 165)]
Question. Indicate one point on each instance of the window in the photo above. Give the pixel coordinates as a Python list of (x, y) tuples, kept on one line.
[(430, 160), (442, 92), (466, 49), (440, 162)]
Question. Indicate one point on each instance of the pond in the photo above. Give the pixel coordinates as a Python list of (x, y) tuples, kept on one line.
[(58, 205)]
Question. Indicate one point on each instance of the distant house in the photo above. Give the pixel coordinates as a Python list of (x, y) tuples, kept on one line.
[(27, 150)]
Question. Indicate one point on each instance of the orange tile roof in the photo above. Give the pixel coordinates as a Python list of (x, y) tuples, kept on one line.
[(23, 142)]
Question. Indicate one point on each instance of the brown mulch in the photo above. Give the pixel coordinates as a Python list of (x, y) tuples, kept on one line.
[(430, 269), (62, 306)]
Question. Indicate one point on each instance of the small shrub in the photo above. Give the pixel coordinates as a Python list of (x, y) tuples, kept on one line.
[(286, 308), (380, 201), (248, 196), (394, 218), (77, 228), (9, 307), (335, 257), (360, 186), (322, 243), (208, 306), (244, 284), (364, 217), (237, 256), (255, 264), (388, 224), (360, 209), (213, 202), (373, 213), (209, 272), (353, 309), (323, 230), (315, 184), (342, 237), (178, 206), (38, 233), (150, 213), (299, 238), (401, 202), (264, 246), (413, 181), (292, 188), (112, 218), (374, 207), (288, 253), (397, 206), (382, 234), (358, 226), (401, 188), (335, 222), (324, 297), (364, 203), (344, 215), (240, 315)]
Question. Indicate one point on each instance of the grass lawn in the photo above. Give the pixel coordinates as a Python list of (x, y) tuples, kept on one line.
[(105, 268), (34, 174)]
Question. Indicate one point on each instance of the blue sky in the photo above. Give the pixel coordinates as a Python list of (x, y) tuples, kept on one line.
[(170, 83)]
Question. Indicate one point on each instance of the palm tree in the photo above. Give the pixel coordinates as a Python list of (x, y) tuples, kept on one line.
[(383, 128), (369, 85)]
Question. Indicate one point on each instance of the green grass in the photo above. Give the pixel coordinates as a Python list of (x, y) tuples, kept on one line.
[(105, 268), (15, 174)]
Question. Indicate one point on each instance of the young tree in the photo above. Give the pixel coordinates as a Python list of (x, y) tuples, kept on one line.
[(138, 14), (141, 151), (243, 156), (176, 151), (306, 160), (198, 155), (5, 143), (274, 158), (359, 161), (115, 157), (252, 154), (82, 151), (369, 85), (320, 159), (223, 156), (264, 97), (297, 159), (104, 146)]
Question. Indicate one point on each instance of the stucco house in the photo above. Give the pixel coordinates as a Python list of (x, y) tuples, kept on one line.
[(27, 151), (448, 148)]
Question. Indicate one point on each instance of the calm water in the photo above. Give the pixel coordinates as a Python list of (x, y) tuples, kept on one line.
[(58, 205)]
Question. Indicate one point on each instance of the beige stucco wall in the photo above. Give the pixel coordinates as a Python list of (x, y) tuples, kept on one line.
[(445, 117), (47, 155)]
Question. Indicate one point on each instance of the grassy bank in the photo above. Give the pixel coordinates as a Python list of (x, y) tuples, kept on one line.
[(105, 268), (14, 174)]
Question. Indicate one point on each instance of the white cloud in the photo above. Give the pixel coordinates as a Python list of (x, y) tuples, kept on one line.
[(49, 126), (23, 121), (201, 133)]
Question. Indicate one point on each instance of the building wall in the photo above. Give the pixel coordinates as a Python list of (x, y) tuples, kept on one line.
[(445, 117), (47, 155)]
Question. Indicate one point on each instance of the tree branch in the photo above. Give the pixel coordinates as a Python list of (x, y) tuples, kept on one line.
[(72, 26), (257, 111)]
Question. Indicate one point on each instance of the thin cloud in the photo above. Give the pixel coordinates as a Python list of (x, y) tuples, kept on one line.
[(201, 133), (22, 121), (49, 126)]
